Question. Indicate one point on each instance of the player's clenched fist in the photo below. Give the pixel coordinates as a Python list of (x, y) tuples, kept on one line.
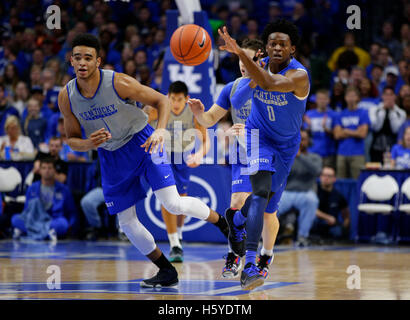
[(99, 137), (196, 106)]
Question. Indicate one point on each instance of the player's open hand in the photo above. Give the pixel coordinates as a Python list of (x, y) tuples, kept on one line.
[(98, 137), (155, 141), (196, 106), (230, 43)]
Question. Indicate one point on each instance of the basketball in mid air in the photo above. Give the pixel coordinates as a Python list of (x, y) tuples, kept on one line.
[(190, 44)]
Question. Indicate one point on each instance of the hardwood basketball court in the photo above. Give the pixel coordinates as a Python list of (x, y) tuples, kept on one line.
[(113, 270)]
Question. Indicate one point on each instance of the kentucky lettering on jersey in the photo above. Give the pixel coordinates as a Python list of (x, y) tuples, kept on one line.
[(270, 97), (278, 115), (106, 109), (98, 112)]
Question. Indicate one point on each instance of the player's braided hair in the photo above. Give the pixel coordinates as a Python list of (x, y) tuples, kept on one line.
[(283, 26)]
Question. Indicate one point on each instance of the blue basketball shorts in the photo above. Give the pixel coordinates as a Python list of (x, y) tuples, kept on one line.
[(121, 170), (265, 154), (181, 172)]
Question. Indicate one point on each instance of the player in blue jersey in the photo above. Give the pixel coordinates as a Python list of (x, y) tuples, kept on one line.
[(279, 98), (103, 104), (236, 98)]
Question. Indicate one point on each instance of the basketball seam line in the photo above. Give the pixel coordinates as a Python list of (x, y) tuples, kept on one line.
[(202, 51), (193, 41)]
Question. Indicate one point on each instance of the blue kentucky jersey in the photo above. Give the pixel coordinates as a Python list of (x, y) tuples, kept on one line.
[(278, 114)]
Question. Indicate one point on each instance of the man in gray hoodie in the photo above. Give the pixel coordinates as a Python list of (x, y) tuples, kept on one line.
[(300, 192)]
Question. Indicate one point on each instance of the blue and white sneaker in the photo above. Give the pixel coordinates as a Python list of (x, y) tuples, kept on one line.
[(232, 266), (263, 264), (251, 277)]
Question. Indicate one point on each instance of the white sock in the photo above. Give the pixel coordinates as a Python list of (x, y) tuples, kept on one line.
[(179, 230), (173, 240), (266, 252), (175, 204)]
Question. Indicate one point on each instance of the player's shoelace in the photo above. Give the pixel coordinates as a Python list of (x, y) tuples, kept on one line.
[(263, 264), (239, 234), (231, 260), (252, 270)]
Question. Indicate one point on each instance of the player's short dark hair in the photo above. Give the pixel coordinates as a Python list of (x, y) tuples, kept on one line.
[(178, 87), (253, 44), (283, 26), (87, 40), (48, 160)]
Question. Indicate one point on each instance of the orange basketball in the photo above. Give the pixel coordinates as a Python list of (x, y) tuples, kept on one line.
[(190, 44)]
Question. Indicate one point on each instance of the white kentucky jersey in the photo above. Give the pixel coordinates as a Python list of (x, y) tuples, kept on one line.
[(106, 109)]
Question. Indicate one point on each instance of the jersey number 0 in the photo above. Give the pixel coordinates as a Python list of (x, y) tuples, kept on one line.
[(271, 113)]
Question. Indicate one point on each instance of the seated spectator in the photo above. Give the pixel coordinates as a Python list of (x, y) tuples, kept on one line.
[(392, 79), (20, 98), (68, 154), (349, 44), (405, 107), (388, 39), (34, 125), (55, 145), (386, 120), (15, 146), (400, 153), (300, 191), (6, 109), (319, 123), (333, 215), (49, 210), (376, 77), (337, 101), (48, 78), (350, 129), (368, 95), (374, 52)]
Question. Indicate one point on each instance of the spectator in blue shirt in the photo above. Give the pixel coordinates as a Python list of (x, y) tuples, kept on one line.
[(34, 126), (400, 153), (351, 127), (50, 196), (320, 122), (6, 110)]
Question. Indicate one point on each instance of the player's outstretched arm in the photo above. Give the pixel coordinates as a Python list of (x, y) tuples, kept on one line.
[(73, 128), (129, 88), (295, 81), (209, 118)]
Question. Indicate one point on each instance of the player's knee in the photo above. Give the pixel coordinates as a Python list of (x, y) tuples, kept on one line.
[(126, 217), (173, 205), (261, 184)]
